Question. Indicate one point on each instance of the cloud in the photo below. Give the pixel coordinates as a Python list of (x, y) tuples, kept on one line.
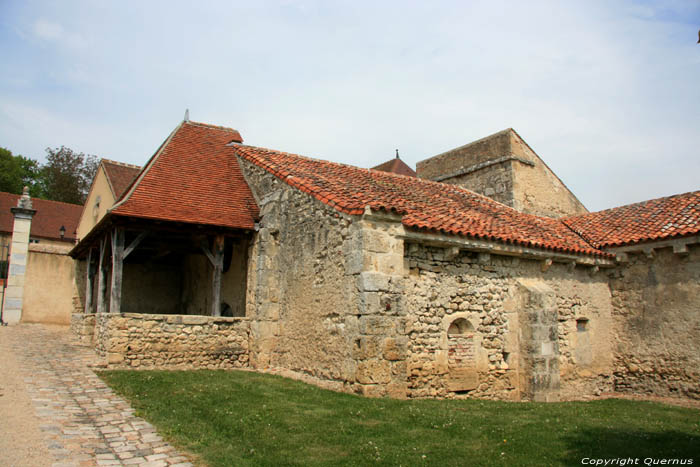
[(53, 32), (47, 30)]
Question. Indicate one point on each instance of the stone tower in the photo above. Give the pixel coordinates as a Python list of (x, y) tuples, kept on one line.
[(504, 167)]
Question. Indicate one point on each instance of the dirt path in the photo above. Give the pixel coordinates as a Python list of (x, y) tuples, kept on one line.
[(21, 440)]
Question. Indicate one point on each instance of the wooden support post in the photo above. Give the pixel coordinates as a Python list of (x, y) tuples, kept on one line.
[(88, 283), (115, 300), (217, 259), (101, 283)]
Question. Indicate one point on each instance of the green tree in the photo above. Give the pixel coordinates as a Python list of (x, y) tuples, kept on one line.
[(16, 172), (67, 175)]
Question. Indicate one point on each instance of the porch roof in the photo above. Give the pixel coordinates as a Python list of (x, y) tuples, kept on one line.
[(192, 179)]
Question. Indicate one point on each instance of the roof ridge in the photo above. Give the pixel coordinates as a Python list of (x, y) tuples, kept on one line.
[(34, 198), (209, 125), (124, 164), (639, 203), (448, 186), (318, 181)]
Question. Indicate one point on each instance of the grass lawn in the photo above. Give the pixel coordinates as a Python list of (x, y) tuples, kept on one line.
[(241, 418)]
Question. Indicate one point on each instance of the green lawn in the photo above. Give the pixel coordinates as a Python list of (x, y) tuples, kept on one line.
[(241, 418)]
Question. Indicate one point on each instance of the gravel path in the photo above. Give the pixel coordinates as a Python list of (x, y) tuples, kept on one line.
[(21, 440), (56, 412)]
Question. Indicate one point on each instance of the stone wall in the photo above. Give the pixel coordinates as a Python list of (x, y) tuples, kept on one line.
[(656, 301), (325, 289), (82, 327), (503, 167), (172, 341), (301, 300), (536, 188), (520, 315)]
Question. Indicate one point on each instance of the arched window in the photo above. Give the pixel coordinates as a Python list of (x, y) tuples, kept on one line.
[(459, 326)]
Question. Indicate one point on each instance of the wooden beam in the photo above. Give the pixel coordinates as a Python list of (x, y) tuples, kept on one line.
[(132, 246), (115, 300), (216, 256), (88, 284), (206, 251), (101, 283)]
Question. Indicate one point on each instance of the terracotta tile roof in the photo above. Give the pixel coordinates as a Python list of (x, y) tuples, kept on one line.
[(119, 175), (656, 219), (396, 166), (49, 217), (424, 204), (193, 178)]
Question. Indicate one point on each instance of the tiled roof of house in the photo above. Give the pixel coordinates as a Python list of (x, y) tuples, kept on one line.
[(119, 175), (424, 204), (396, 166), (652, 220), (194, 179), (49, 217)]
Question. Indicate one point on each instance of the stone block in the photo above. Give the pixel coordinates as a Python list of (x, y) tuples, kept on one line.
[(370, 302), (17, 269), (18, 258), (372, 390), (195, 320), (395, 348), (367, 347), (114, 358), (373, 371), (376, 325), (397, 390), (373, 282), (462, 379)]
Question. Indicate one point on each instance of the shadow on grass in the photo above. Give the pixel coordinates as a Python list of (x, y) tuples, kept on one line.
[(648, 447)]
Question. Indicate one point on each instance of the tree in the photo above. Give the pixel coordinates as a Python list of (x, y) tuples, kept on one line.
[(67, 175), (16, 172)]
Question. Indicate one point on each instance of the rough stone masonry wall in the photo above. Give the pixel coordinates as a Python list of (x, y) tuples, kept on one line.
[(656, 306), (172, 341), (324, 291), (82, 326), (495, 181), (523, 321), (300, 299)]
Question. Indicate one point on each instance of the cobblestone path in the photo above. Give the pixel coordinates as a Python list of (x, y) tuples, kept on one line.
[(83, 422)]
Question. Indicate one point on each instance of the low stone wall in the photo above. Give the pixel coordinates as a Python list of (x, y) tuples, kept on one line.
[(172, 341), (82, 327)]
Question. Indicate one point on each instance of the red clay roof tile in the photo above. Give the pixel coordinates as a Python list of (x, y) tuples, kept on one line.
[(652, 220), (423, 204), (396, 166), (49, 217), (193, 179), (120, 175)]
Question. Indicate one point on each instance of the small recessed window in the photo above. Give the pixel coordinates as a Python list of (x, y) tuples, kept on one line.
[(582, 325), (459, 326)]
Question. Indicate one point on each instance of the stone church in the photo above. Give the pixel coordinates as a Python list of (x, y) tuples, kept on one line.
[(478, 275)]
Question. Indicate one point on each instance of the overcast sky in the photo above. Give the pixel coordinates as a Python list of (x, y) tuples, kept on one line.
[(607, 93)]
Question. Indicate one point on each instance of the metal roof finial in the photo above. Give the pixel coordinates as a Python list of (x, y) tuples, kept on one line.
[(187, 115), (397, 153)]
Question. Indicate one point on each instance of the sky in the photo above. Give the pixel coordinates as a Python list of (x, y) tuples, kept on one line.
[(606, 92)]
